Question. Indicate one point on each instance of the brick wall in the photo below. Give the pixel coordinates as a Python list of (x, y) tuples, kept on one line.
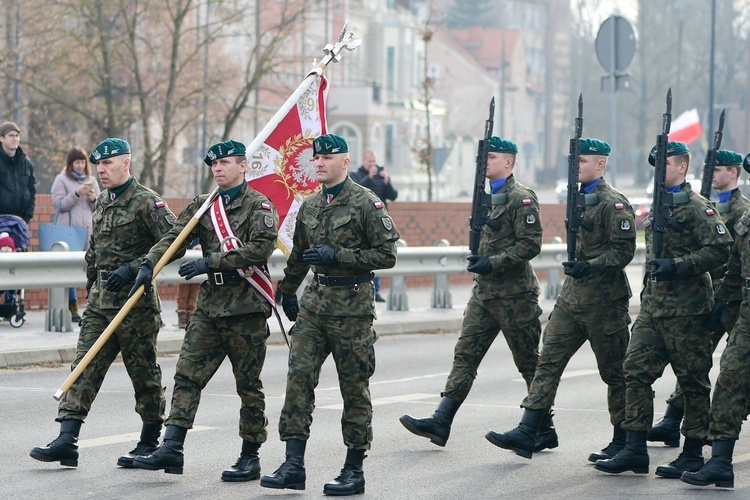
[(419, 223)]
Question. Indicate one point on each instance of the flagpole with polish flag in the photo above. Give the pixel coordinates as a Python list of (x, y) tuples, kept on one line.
[(332, 52), (686, 127)]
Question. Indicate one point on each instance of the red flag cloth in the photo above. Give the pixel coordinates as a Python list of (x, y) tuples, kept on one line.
[(686, 127), (282, 168)]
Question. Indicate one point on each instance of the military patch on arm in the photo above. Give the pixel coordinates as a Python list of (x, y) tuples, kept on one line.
[(526, 201), (530, 219), (710, 212), (720, 229), (170, 218), (387, 223), (268, 221), (625, 225), (160, 204), (265, 206), (378, 205)]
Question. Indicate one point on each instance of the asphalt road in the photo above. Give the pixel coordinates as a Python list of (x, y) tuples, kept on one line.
[(411, 371)]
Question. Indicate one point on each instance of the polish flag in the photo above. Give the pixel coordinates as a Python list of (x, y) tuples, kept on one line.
[(686, 127), (282, 167)]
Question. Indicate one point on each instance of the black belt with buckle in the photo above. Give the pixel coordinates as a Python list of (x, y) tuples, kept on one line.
[(343, 280), (219, 278), (103, 275)]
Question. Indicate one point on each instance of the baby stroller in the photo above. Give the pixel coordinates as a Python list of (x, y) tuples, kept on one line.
[(14, 236)]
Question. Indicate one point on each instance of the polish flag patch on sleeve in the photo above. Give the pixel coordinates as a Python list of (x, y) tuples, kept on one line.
[(710, 211), (378, 204), (160, 204), (526, 201), (619, 206), (265, 206)]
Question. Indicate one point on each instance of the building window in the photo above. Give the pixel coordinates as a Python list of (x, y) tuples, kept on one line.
[(390, 68), (389, 144)]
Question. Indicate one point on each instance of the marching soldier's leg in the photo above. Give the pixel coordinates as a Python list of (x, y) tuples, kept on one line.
[(245, 344), (478, 331), (307, 352), (352, 340), (200, 357), (75, 404), (138, 345)]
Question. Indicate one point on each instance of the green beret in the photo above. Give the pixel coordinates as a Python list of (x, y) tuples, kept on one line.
[(591, 146), (726, 158), (109, 148), (224, 149), (746, 163), (499, 145), (673, 148), (330, 144)]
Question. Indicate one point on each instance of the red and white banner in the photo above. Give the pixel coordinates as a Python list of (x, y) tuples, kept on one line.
[(686, 127), (282, 167)]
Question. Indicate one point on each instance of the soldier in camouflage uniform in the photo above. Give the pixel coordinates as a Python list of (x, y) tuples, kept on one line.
[(671, 327), (732, 390), (128, 218), (732, 204), (344, 233), (230, 316), (504, 297), (593, 306)]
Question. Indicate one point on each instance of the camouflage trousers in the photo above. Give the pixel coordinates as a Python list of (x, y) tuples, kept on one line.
[(517, 318), (732, 390), (350, 339), (681, 342), (605, 326), (135, 339), (728, 319), (208, 340)]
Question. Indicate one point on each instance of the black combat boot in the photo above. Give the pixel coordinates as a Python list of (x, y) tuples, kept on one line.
[(63, 449), (436, 428), (690, 460), (247, 467), (546, 436), (613, 448), (633, 457), (718, 470), (667, 430), (522, 439), (148, 444), (291, 474), (169, 455), (351, 479)]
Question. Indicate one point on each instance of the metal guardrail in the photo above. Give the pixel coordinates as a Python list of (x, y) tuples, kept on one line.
[(65, 269)]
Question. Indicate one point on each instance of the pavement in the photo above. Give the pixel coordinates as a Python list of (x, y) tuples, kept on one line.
[(31, 345)]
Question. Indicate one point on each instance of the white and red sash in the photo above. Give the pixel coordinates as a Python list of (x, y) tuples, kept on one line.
[(257, 277)]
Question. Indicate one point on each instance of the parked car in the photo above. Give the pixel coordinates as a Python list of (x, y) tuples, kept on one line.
[(641, 207)]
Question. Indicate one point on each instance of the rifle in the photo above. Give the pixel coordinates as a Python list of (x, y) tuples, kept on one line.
[(662, 199), (481, 203), (576, 200), (710, 163)]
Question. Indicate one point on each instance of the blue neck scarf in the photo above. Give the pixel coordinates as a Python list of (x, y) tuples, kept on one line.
[(497, 184), (724, 197), (589, 186)]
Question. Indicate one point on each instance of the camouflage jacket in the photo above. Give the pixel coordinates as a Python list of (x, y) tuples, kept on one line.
[(738, 267), (730, 212), (254, 221), (608, 245), (511, 238), (698, 241), (357, 223), (123, 230)]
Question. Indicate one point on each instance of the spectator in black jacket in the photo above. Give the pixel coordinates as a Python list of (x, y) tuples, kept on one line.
[(374, 177), (18, 186)]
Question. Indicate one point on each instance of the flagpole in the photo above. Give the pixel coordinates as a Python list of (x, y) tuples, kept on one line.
[(346, 41)]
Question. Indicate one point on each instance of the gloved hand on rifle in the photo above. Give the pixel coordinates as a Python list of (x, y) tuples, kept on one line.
[(577, 268), (717, 311), (145, 277), (663, 269), (321, 254), (479, 264), (192, 269), (289, 303), (119, 278)]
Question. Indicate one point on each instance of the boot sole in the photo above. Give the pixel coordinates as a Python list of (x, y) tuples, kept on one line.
[(167, 470), (637, 470), (240, 479), (718, 484), (523, 453), (671, 473), (65, 462), (294, 486), (343, 493), (414, 430)]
